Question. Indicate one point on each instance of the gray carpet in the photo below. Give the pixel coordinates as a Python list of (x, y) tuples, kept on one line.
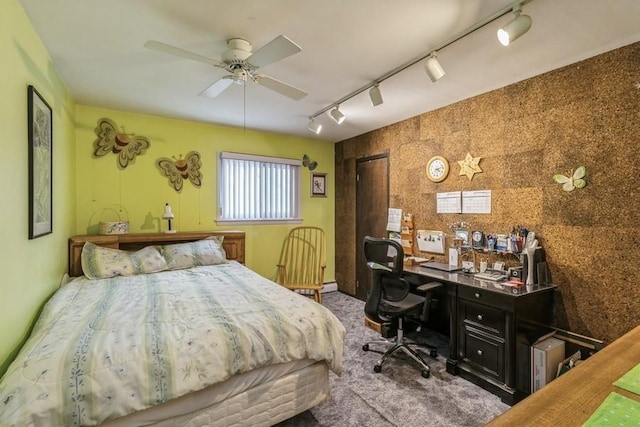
[(398, 396)]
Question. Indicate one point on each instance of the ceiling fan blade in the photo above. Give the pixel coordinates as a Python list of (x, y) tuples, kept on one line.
[(277, 49), (176, 51), (218, 87), (280, 87)]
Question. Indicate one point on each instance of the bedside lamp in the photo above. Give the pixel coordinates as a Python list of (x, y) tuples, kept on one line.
[(168, 215)]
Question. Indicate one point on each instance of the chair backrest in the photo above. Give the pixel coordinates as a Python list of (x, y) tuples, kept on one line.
[(304, 257), (386, 280)]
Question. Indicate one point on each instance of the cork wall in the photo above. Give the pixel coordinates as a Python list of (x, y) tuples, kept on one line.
[(585, 114)]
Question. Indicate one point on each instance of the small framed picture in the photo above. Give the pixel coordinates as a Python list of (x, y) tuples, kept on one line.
[(318, 185), (463, 235)]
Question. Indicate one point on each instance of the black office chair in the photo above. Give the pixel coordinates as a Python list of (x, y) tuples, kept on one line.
[(390, 299)]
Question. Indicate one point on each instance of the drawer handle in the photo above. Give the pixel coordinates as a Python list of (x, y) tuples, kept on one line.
[(477, 294), (479, 352), (479, 316)]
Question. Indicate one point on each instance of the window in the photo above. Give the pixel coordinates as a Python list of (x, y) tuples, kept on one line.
[(258, 189)]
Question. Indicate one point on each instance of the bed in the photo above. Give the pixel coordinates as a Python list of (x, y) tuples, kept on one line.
[(187, 336)]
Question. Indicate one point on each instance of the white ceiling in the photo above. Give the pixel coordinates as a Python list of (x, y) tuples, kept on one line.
[(97, 46)]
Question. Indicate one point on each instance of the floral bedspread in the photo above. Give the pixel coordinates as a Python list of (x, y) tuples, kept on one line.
[(105, 348)]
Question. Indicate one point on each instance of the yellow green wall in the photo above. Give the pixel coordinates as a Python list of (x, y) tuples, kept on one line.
[(84, 186), (139, 192), (31, 269)]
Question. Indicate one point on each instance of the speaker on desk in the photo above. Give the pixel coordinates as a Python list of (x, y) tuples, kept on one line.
[(538, 258), (515, 273)]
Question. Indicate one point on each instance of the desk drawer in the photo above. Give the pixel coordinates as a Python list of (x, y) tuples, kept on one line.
[(484, 296), (483, 352), (483, 317)]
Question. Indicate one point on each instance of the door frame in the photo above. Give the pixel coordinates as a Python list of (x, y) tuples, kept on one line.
[(359, 292)]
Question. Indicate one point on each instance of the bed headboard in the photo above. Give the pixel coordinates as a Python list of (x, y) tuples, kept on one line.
[(233, 244)]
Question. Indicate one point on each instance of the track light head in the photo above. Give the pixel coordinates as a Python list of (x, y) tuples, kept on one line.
[(337, 115), (314, 126), (375, 95), (514, 29), (433, 68)]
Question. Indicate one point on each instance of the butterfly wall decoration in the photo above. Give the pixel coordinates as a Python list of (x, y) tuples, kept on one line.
[(125, 145), (178, 170), (573, 179), (308, 163)]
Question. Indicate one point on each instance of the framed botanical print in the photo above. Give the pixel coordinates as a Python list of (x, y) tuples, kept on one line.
[(318, 185), (40, 165)]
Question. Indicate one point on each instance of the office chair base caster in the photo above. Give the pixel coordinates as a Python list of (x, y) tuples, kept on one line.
[(377, 369), (366, 348), (433, 353), (425, 373)]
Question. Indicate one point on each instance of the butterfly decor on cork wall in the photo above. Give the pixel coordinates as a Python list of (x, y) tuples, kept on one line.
[(127, 146), (178, 170), (572, 179)]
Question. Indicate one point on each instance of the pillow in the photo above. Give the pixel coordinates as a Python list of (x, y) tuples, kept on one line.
[(101, 263), (208, 251)]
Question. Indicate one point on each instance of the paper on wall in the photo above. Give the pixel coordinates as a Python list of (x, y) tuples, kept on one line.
[(394, 220)]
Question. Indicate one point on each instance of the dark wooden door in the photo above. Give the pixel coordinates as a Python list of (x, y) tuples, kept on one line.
[(372, 206)]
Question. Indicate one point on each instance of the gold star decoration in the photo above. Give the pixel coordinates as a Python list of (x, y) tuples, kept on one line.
[(469, 166)]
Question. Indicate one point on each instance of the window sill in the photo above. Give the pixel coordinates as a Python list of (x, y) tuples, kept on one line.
[(257, 221)]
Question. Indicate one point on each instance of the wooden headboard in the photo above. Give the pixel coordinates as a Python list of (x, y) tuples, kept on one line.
[(233, 244)]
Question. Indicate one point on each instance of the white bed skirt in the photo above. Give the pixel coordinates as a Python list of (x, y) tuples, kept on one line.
[(262, 397)]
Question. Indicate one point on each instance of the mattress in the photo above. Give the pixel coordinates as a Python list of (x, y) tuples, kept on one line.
[(258, 398), (104, 349)]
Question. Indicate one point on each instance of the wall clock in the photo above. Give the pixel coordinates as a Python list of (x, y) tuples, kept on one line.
[(437, 169)]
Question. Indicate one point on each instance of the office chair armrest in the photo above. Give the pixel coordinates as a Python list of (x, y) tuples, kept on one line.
[(375, 266)]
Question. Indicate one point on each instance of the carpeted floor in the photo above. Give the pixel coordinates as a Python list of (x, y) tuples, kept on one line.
[(399, 395)]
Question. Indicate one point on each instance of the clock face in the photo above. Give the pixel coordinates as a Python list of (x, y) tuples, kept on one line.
[(437, 169)]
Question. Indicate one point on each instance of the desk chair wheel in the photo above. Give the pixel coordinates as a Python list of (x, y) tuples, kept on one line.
[(377, 369), (425, 373), (366, 348), (433, 353)]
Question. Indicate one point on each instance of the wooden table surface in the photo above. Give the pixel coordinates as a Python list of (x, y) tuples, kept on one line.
[(571, 399)]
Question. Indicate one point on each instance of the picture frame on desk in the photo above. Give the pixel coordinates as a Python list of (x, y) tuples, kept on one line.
[(318, 185), (463, 235)]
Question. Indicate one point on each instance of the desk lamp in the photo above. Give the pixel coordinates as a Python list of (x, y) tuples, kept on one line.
[(168, 215)]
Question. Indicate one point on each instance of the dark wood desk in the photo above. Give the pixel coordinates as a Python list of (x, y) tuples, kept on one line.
[(491, 327), (571, 399)]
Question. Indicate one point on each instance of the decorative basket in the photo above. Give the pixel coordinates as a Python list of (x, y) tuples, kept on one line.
[(114, 227)]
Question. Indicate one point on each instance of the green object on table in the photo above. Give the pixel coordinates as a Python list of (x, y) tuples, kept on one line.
[(630, 381), (616, 410)]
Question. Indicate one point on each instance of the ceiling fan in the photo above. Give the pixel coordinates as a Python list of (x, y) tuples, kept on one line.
[(242, 63)]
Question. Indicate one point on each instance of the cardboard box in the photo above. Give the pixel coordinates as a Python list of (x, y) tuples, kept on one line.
[(546, 354)]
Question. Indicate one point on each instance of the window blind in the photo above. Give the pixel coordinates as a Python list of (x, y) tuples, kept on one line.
[(258, 188)]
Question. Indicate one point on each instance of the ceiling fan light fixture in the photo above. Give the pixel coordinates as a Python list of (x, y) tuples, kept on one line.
[(337, 115), (433, 68), (314, 126), (515, 28), (375, 95), (239, 76)]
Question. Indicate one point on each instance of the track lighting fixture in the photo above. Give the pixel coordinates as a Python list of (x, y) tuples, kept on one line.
[(433, 68), (337, 115), (314, 126), (507, 34), (514, 29), (375, 95)]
